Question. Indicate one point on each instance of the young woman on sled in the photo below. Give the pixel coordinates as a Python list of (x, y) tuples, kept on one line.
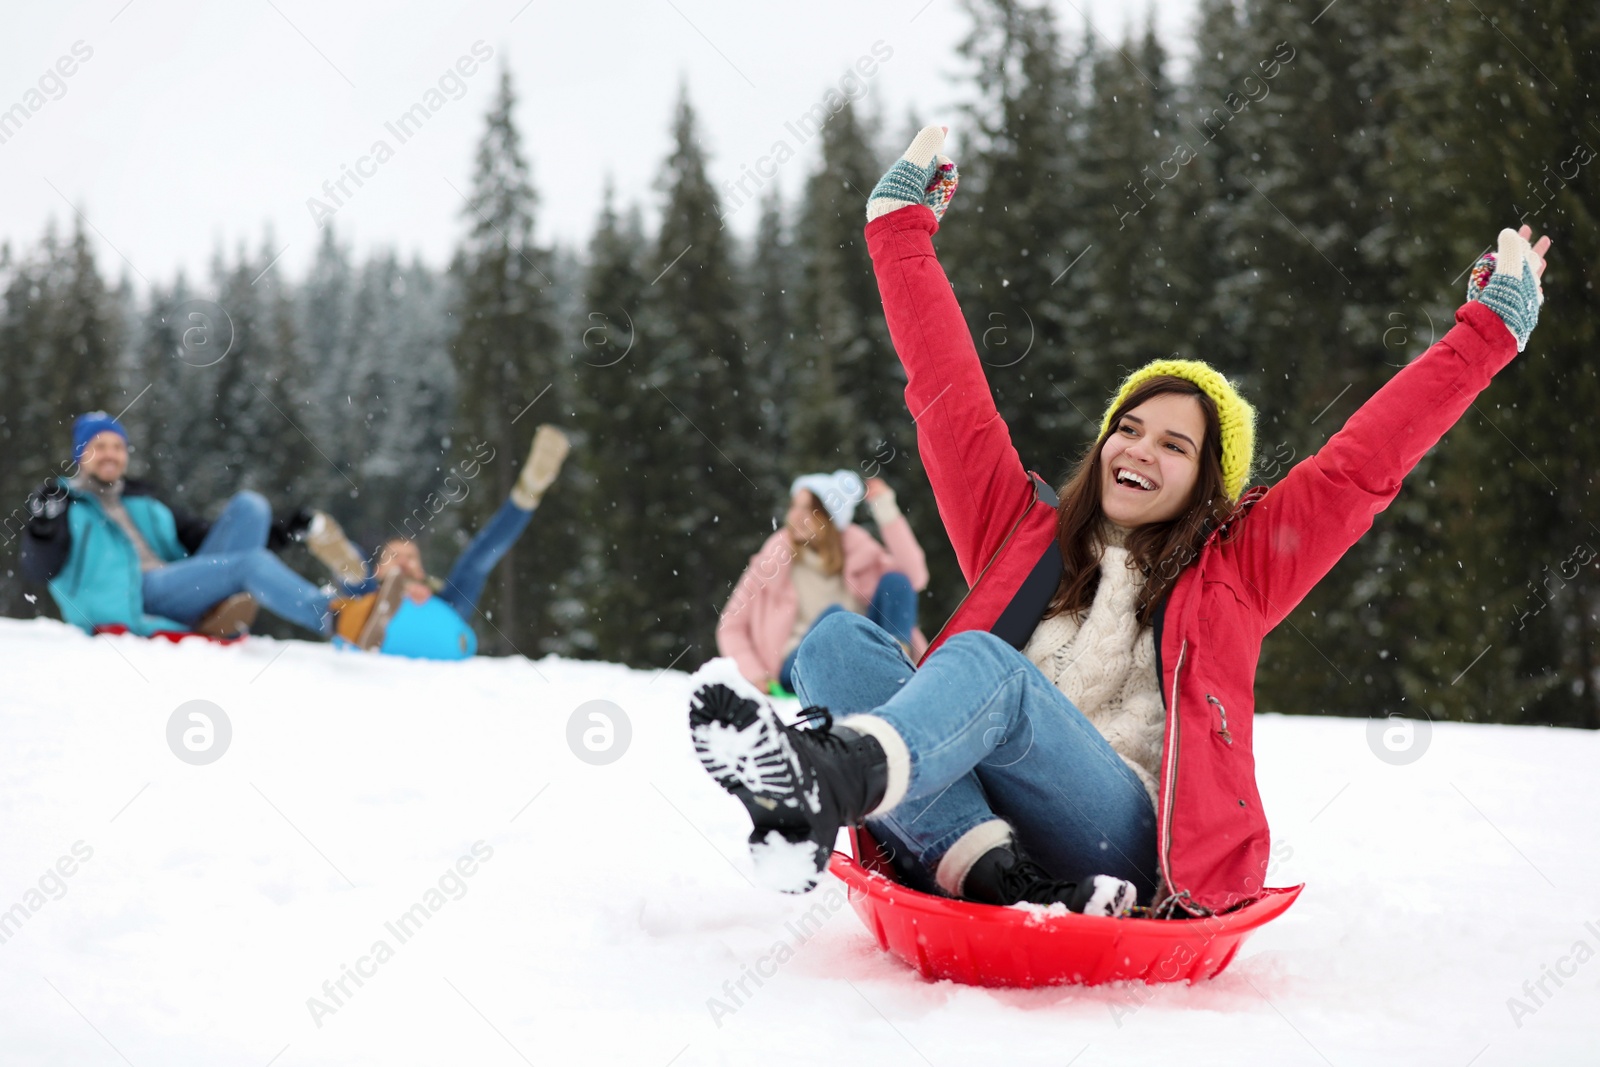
[(1080, 732)]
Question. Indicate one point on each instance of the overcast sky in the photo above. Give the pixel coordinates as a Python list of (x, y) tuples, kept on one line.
[(185, 126)]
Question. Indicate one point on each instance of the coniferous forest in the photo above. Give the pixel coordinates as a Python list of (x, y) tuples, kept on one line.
[(1297, 206)]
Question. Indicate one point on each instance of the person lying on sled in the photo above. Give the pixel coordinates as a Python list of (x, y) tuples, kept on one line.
[(1080, 732), (401, 609), (114, 555)]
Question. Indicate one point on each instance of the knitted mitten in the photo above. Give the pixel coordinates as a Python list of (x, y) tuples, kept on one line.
[(1508, 284), (549, 449), (921, 176), (884, 507)]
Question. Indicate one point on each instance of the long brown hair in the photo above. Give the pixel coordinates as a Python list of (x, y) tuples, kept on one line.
[(826, 542), (1159, 549)]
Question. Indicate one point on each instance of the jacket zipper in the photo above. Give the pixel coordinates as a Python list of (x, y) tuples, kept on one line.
[(1176, 894), (992, 560), (1223, 712)]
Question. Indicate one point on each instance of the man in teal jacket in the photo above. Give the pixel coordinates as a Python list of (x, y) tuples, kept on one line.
[(113, 554)]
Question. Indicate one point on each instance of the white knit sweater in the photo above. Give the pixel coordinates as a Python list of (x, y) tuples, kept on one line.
[(1105, 663)]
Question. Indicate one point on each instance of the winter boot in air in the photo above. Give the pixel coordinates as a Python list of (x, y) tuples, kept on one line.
[(390, 595), (1003, 876), (229, 618), (327, 542), (549, 449), (800, 784), (364, 620)]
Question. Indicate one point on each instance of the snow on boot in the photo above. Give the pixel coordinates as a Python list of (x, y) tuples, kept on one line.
[(326, 541), (1004, 876), (550, 447), (800, 784), (229, 618)]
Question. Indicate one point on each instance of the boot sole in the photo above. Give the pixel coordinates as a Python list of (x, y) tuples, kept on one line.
[(1112, 897), (230, 618), (741, 745)]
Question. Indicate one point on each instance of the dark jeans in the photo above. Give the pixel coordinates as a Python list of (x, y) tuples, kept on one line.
[(893, 607)]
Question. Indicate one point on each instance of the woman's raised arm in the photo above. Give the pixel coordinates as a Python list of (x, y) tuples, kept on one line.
[(1305, 523), (978, 479)]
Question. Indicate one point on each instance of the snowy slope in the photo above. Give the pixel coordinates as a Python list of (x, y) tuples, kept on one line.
[(613, 904)]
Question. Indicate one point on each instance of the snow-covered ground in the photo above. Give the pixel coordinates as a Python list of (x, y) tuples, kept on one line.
[(563, 911)]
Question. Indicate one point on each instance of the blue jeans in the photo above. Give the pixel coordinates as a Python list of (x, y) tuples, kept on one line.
[(233, 558), (893, 607), (989, 737), (465, 584)]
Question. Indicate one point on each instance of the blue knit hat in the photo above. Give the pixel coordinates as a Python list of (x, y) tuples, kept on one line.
[(87, 425)]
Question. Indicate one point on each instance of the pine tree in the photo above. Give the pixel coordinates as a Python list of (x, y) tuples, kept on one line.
[(1491, 135), (329, 326), (774, 280), (699, 409), (1130, 146), (613, 460), (505, 355), (85, 339), (1190, 166), (1306, 274), (1023, 234), (258, 426), (165, 422), (60, 344), (849, 383), (846, 385), (402, 378)]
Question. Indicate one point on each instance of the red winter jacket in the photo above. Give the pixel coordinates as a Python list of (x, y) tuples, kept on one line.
[(1212, 835)]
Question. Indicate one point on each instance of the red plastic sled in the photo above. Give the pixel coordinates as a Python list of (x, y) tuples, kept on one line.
[(171, 635), (979, 944)]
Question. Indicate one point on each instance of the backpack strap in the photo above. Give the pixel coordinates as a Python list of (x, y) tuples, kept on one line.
[(1019, 619)]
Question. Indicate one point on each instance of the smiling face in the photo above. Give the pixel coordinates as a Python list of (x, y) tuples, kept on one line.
[(105, 457), (1151, 461), (401, 555)]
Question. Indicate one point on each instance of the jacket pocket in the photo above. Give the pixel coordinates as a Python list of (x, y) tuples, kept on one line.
[(1220, 719)]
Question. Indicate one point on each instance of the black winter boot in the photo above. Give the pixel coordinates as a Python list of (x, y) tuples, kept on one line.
[(800, 783), (1003, 875)]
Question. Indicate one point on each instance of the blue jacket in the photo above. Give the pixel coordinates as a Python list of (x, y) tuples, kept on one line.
[(91, 564)]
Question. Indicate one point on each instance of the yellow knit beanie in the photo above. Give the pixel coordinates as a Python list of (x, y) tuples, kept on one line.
[(1236, 417)]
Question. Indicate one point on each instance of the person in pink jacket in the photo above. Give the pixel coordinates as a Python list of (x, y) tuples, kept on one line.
[(820, 563), (1080, 731)]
